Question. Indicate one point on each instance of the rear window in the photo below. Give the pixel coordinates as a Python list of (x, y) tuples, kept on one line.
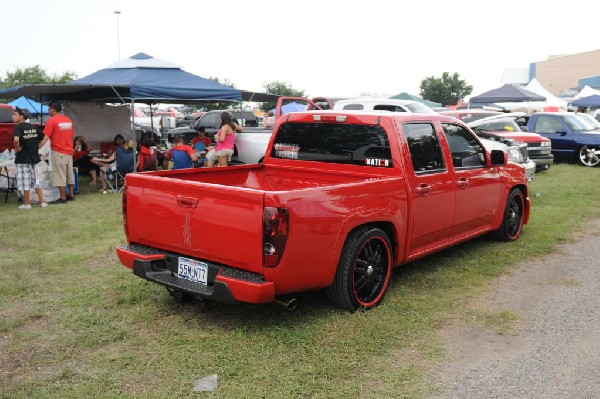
[(365, 145), (6, 115)]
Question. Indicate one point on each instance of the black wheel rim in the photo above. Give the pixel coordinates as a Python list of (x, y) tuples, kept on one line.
[(514, 216), (371, 271)]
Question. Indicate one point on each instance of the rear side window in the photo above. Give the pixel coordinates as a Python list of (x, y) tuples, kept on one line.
[(354, 107), (210, 120), (424, 147), (547, 124), (365, 145), (466, 150), (391, 108)]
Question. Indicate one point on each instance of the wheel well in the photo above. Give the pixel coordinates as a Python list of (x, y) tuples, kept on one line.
[(523, 188), (388, 228)]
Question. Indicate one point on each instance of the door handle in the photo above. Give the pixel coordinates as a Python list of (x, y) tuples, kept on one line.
[(423, 189), (463, 182), (187, 202)]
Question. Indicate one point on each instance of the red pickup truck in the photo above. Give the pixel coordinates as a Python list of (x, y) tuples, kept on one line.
[(340, 199), (7, 127)]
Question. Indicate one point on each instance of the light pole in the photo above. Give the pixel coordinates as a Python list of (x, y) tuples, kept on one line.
[(118, 35)]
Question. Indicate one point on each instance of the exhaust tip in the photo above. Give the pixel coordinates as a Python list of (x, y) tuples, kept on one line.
[(287, 304)]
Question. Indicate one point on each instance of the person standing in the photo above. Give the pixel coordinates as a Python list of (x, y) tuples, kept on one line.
[(225, 138), (59, 130), (26, 140)]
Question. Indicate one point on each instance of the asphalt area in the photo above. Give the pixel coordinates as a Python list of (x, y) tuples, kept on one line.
[(552, 347)]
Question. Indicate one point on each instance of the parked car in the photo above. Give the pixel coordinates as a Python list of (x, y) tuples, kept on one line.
[(572, 138), (517, 153), (507, 126), (211, 122), (382, 104), (470, 115)]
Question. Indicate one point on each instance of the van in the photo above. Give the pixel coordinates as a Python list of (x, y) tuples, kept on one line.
[(382, 104)]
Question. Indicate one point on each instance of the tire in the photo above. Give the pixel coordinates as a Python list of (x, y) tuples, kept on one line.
[(588, 157), (512, 219), (364, 270)]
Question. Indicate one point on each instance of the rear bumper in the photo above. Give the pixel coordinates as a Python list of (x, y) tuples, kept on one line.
[(224, 284)]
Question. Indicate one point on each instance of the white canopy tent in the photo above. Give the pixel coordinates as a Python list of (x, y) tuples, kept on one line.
[(551, 100), (533, 106), (586, 92)]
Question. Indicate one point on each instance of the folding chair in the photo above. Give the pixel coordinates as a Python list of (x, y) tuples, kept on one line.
[(124, 163), (200, 150)]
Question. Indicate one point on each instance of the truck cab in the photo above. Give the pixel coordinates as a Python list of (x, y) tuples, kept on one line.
[(572, 138)]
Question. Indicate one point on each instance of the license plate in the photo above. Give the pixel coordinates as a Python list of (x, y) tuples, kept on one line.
[(192, 270)]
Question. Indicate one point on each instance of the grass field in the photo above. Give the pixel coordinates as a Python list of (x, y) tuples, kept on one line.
[(75, 323)]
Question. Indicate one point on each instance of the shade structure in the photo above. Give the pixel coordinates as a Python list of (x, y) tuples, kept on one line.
[(507, 93), (140, 78), (30, 105), (589, 101)]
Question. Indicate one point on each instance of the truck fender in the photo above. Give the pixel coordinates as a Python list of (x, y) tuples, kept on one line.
[(351, 223)]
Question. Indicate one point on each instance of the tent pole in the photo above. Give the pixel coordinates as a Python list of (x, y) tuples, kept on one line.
[(132, 126)]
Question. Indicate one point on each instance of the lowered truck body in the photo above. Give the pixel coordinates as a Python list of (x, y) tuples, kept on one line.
[(339, 200)]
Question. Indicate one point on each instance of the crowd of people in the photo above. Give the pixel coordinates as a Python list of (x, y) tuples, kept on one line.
[(68, 151)]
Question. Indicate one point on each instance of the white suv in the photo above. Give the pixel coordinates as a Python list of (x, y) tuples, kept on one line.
[(383, 104)]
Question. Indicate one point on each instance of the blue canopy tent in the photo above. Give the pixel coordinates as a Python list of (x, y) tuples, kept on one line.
[(589, 101), (140, 78), (507, 94), (30, 105)]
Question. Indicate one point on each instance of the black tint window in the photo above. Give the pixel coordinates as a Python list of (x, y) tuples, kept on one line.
[(424, 147), (210, 120), (466, 150), (355, 107), (330, 142), (6, 115), (391, 108)]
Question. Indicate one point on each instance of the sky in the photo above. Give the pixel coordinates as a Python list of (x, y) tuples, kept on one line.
[(326, 48)]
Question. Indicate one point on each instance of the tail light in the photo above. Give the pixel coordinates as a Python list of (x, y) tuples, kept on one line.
[(330, 118), (124, 209), (275, 233)]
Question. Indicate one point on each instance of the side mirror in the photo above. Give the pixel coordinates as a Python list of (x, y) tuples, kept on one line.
[(498, 158), (561, 132)]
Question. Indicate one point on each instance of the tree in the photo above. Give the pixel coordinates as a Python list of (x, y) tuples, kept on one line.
[(447, 90), (282, 89), (34, 75)]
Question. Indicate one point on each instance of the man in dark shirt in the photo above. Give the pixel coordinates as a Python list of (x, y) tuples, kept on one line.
[(26, 138)]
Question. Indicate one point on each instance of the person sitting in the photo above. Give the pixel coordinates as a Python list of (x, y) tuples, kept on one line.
[(147, 155), (121, 161), (118, 141), (201, 138), (182, 155), (82, 159)]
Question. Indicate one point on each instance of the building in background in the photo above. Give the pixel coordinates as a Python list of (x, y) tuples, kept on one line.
[(561, 75)]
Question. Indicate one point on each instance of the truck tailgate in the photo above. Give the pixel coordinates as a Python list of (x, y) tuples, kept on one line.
[(217, 223)]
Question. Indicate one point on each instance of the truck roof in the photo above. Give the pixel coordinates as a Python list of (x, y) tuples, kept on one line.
[(369, 116)]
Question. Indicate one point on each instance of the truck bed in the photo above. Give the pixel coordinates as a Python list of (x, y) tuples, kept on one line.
[(259, 177)]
